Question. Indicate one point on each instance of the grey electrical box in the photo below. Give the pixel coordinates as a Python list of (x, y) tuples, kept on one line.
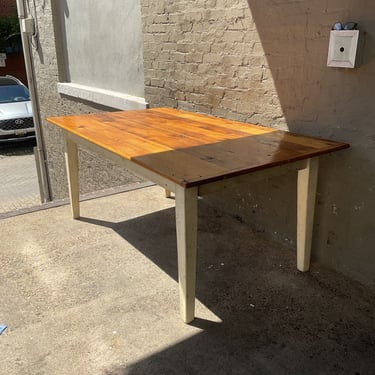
[(342, 50)]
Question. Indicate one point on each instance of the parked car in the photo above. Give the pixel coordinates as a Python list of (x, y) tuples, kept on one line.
[(16, 118)]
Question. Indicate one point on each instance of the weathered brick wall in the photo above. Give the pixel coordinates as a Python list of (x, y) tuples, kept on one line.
[(206, 56), (264, 61)]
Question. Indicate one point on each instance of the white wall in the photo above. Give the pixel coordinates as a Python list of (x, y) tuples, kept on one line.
[(103, 44)]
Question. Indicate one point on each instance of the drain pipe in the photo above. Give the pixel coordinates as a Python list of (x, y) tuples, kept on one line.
[(27, 27)]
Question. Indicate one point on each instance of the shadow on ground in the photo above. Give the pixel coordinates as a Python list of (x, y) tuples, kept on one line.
[(275, 320), (17, 148)]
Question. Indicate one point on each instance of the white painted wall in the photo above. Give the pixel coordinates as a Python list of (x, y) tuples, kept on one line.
[(102, 44)]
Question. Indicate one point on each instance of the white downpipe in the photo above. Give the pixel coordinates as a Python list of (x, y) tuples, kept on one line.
[(40, 151)]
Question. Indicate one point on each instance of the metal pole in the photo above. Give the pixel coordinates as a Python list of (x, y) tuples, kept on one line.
[(39, 150)]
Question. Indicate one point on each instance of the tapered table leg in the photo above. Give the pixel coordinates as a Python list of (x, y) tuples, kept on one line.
[(306, 194), (71, 159), (186, 228)]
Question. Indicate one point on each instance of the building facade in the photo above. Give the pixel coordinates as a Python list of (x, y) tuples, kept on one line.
[(261, 62)]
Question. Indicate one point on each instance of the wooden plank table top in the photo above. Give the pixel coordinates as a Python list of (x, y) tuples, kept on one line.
[(192, 155), (192, 149)]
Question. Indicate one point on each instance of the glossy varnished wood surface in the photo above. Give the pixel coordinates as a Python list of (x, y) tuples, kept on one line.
[(192, 149)]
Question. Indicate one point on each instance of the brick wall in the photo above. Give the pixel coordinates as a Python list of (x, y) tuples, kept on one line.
[(206, 56), (264, 61)]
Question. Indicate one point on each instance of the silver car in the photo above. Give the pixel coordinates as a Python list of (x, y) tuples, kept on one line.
[(16, 118)]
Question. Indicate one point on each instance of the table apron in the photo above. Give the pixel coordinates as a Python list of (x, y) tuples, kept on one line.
[(251, 177)]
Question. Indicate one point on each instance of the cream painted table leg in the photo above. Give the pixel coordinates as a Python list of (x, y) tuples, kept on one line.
[(186, 228), (71, 159), (306, 194)]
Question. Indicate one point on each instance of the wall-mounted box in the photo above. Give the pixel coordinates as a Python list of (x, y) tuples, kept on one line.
[(342, 50), (27, 25)]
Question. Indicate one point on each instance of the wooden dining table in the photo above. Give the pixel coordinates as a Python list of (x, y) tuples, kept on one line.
[(192, 155)]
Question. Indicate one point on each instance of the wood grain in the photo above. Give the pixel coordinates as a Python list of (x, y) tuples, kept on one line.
[(192, 149)]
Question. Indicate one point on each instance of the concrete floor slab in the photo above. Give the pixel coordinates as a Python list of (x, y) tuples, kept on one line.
[(99, 296)]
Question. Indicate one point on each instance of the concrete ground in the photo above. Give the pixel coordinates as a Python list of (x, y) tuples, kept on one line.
[(99, 296)]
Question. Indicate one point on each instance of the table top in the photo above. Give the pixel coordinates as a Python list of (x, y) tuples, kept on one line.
[(192, 149)]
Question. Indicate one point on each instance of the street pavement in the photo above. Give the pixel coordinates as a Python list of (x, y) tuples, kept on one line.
[(19, 187), (99, 295)]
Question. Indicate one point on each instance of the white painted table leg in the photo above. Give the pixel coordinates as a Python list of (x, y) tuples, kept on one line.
[(71, 159), (306, 193), (186, 228)]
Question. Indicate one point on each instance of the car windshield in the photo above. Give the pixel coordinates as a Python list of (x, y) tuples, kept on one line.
[(13, 93)]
